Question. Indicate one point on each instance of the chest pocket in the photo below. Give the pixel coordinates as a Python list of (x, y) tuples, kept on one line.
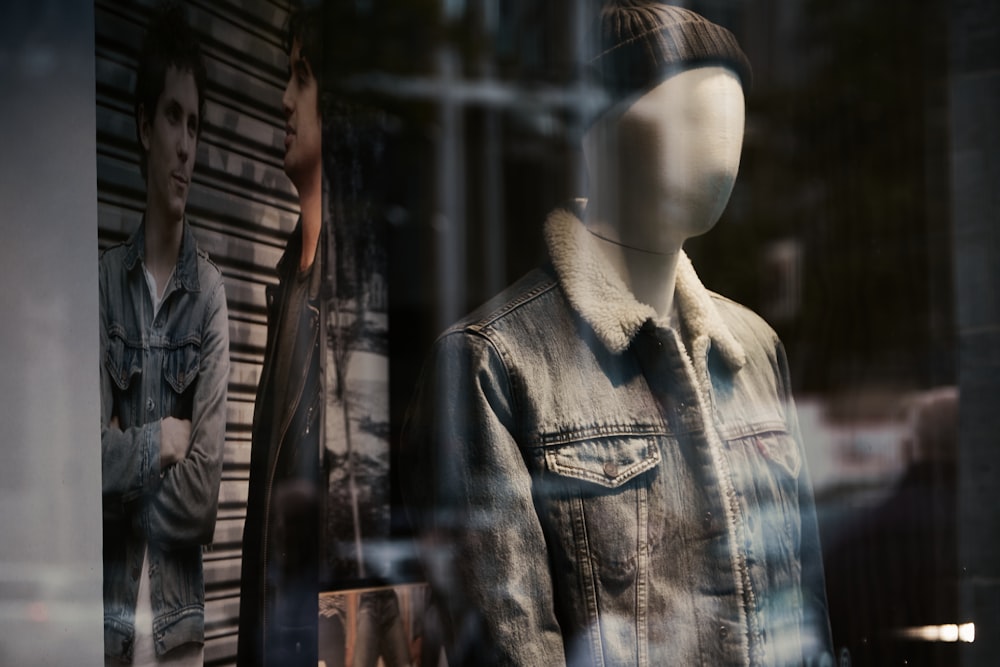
[(180, 371), (123, 364), (780, 449), (122, 361), (600, 504), (607, 462), (766, 468)]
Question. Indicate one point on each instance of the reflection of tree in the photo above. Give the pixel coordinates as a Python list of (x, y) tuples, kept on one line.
[(352, 146)]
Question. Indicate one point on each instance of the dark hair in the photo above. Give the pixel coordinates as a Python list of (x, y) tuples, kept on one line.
[(305, 25), (169, 42)]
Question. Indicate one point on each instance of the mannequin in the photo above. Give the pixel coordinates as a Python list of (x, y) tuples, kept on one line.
[(604, 462), (661, 170)]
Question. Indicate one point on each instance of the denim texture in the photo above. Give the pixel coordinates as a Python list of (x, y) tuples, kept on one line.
[(594, 486), (176, 364)]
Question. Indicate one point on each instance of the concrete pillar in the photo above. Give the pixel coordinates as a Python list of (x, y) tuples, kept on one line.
[(974, 99)]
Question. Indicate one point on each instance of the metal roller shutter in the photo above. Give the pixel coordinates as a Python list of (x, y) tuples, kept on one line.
[(241, 207)]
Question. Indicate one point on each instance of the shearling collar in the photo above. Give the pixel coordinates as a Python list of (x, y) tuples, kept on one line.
[(603, 300)]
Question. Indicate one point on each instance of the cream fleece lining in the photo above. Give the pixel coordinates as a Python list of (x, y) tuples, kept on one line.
[(601, 297)]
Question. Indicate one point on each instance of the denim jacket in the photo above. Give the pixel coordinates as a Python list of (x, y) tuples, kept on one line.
[(174, 365), (594, 486)]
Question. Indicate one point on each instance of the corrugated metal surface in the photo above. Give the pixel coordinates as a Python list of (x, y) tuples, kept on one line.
[(241, 207)]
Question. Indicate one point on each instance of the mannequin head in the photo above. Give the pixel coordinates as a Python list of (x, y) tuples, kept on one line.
[(662, 166), (663, 154)]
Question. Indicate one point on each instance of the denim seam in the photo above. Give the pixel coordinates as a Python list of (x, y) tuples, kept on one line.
[(514, 391), (599, 431), (752, 429), (642, 574), (650, 460), (588, 577), (490, 319)]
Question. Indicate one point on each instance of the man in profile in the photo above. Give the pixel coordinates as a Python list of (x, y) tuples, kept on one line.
[(279, 590), (164, 339)]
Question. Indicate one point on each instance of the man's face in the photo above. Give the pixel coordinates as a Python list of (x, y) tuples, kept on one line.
[(303, 136), (170, 137)]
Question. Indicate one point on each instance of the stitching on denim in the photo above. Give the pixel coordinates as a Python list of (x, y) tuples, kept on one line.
[(599, 431), (588, 579), (513, 304)]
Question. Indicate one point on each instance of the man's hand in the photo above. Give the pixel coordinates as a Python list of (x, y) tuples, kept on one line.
[(175, 440)]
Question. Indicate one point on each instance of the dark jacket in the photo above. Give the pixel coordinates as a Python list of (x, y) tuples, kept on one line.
[(279, 589), (173, 365), (595, 485)]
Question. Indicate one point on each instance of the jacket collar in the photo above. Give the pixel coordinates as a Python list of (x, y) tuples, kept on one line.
[(602, 299), (288, 265), (186, 271)]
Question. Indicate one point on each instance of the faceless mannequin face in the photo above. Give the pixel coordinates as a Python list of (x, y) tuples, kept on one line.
[(662, 168)]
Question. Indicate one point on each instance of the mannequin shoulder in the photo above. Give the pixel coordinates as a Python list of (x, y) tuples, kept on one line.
[(530, 297), (743, 323)]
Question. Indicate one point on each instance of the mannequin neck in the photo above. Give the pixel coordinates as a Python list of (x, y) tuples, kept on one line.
[(650, 276)]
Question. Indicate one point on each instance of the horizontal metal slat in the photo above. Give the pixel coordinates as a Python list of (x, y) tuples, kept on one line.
[(233, 494)]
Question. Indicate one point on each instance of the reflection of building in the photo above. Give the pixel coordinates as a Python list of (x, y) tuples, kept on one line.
[(892, 564), (781, 266)]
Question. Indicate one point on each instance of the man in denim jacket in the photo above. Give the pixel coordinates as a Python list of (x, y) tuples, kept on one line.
[(604, 461), (164, 371)]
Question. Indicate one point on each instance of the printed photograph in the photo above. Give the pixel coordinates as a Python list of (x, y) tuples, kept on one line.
[(356, 371), (378, 627)]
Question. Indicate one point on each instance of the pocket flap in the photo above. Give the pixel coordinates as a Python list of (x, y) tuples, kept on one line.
[(180, 366), (781, 449), (608, 462), (122, 361)]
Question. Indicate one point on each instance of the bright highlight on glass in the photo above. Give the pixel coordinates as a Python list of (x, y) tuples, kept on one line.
[(965, 632)]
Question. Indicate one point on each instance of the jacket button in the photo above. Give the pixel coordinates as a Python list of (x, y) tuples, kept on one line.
[(610, 469), (149, 404), (707, 520), (723, 631)]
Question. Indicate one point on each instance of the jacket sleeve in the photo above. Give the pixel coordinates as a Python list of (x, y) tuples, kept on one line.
[(817, 642), (183, 507), (469, 493)]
